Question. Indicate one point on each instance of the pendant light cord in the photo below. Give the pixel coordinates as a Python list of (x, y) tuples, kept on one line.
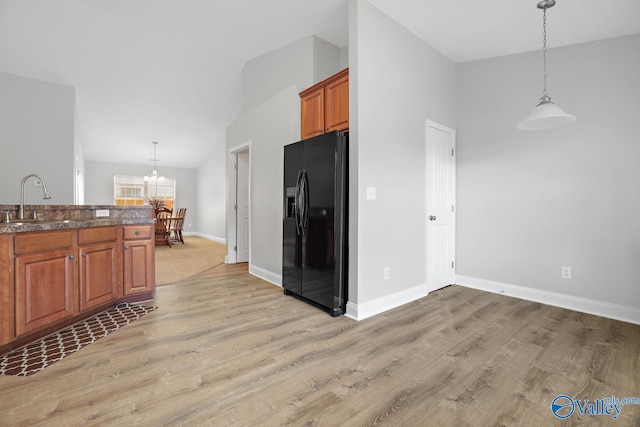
[(544, 50)]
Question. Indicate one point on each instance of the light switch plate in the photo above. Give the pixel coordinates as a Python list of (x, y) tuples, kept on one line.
[(371, 193)]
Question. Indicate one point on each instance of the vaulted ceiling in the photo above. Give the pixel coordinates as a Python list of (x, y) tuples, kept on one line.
[(169, 71)]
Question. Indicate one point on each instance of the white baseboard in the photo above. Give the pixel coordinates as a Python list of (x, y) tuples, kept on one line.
[(206, 236), (382, 304), (598, 308), (267, 275)]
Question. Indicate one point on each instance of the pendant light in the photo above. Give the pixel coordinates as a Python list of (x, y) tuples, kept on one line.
[(154, 172), (546, 115), (153, 177)]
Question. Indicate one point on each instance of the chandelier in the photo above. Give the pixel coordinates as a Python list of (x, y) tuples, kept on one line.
[(154, 172)]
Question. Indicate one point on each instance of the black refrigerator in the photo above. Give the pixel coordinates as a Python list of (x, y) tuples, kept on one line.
[(314, 252)]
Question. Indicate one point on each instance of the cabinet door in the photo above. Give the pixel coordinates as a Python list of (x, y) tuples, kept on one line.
[(139, 267), (98, 274), (312, 113), (336, 104), (45, 289)]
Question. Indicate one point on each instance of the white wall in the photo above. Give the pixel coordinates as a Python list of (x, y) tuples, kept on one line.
[(294, 64), (531, 202), (36, 136), (269, 128), (271, 120), (78, 188), (344, 57), (396, 82), (211, 193), (99, 186), (326, 60)]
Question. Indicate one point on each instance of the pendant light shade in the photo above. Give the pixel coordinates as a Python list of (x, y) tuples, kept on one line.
[(546, 115)]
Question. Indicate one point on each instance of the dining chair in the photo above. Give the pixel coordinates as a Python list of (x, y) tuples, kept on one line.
[(178, 224), (163, 231), (164, 213)]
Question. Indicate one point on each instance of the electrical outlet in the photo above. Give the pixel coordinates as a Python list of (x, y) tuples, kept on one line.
[(566, 272), (386, 273), (101, 213)]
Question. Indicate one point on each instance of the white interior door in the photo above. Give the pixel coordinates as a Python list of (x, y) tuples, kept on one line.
[(242, 204), (440, 187)]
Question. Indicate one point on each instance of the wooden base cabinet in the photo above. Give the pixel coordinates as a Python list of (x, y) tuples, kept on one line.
[(45, 279), (139, 260), (100, 281), (50, 279), (45, 289)]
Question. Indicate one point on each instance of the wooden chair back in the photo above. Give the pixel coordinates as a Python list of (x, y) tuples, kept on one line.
[(163, 231), (164, 213), (178, 224)]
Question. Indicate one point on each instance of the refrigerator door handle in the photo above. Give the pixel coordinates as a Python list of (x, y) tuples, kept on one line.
[(297, 202), (305, 202)]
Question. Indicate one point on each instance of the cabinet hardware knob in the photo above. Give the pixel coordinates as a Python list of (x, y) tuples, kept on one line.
[(84, 254), (72, 256), (137, 233), (126, 248)]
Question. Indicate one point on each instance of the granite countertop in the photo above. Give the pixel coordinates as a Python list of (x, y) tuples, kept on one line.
[(63, 217), (46, 225)]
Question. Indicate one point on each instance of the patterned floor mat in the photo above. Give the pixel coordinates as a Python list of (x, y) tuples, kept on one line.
[(38, 355)]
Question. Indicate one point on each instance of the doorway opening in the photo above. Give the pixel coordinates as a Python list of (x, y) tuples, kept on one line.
[(239, 208)]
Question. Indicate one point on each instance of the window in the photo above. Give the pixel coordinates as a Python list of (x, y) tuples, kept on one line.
[(161, 188), (137, 190), (128, 190)]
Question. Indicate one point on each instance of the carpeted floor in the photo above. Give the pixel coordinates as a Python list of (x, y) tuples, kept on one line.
[(181, 261)]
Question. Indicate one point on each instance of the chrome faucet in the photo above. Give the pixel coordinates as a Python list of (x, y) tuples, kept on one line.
[(44, 188)]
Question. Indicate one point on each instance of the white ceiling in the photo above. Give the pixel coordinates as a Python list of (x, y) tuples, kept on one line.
[(169, 70)]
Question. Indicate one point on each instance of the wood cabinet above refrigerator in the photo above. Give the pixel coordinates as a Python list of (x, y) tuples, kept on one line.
[(324, 107)]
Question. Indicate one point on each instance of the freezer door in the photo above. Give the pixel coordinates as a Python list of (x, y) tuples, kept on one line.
[(291, 232), (319, 258)]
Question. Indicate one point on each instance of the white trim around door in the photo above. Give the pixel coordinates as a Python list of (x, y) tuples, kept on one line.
[(440, 197), (232, 203)]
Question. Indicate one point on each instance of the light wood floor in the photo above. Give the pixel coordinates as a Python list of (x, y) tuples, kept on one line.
[(230, 349)]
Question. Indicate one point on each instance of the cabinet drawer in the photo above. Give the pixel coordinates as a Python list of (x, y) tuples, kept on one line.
[(137, 232), (43, 241), (97, 235)]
